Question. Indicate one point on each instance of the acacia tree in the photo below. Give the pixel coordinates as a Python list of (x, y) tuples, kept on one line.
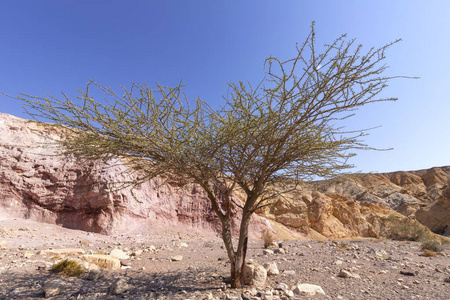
[(263, 139)]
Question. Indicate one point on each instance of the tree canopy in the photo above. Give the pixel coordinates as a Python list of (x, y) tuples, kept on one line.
[(284, 130)]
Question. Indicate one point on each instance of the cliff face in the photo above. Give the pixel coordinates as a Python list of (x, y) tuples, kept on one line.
[(38, 183)]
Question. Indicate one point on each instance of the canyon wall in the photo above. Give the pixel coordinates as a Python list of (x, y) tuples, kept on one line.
[(39, 183)]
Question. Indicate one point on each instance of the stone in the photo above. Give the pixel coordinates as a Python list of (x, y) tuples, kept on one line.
[(267, 251), (103, 261), (254, 274), (407, 273), (347, 274), (117, 253), (53, 288), (28, 254), (64, 251), (289, 273), (271, 269), (306, 289), (3, 244), (279, 251), (137, 253), (119, 287), (94, 274), (176, 258)]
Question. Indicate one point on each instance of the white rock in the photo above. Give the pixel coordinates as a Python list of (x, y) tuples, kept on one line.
[(254, 274), (289, 273), (271, 268), (348, 274), (176, 258), (119, 254), (279, 251), (307, 289)]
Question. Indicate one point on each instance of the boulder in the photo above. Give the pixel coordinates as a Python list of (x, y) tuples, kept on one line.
[(117, 253), (53, 288), (254, 274), (306, 289), (119, 287), (271, 268), (103, 261)]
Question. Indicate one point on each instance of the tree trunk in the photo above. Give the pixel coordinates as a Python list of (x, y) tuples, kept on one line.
[(237, 258)]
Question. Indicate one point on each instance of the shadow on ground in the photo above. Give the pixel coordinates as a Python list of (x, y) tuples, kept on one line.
[(142, 285)]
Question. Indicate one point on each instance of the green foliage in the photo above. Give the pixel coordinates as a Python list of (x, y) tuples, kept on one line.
[(432, 245), (68, 267), (406, 229)]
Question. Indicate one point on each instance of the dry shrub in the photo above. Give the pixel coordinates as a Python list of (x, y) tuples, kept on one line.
[(429, 253), (431, 245), (268, 237), (343, 246), (68, 267), (405, 229)]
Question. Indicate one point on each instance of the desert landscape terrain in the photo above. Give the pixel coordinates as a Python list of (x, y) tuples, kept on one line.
[(336, 235)]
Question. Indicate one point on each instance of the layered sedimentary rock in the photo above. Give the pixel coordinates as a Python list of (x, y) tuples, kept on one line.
[(39, 183)]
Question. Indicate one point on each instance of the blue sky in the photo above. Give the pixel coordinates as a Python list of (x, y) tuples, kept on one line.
[(54, 46)]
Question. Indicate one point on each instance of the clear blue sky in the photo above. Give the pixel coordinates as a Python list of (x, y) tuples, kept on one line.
[(53, 46)]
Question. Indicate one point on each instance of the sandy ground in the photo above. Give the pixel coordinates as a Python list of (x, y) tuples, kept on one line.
[(203, 271)]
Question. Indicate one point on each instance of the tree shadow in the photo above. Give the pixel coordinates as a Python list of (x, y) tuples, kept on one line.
[(28, 284)]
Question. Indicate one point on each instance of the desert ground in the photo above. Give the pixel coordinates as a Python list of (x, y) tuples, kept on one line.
[(150, 269)]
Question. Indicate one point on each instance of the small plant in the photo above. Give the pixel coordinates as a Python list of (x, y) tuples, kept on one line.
[(429, 253), (343, 246), (68, 267), (404, 229), (268, 237), (432, 245)]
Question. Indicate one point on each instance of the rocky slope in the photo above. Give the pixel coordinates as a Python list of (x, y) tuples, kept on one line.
[(38, 183)]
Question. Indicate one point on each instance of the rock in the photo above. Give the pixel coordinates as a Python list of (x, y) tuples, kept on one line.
[(103, 261), (176, 258), (137, 253), (279, 251), (289, 273), (254, 274), (65, 251), (271, 269), (407, 273), (94, 274), (119, 287), (347, 274), (306, 289), (117, 253), (447, 279), (3, 244), (28, 254), (38, 183), (267, 251), (53, 288)]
